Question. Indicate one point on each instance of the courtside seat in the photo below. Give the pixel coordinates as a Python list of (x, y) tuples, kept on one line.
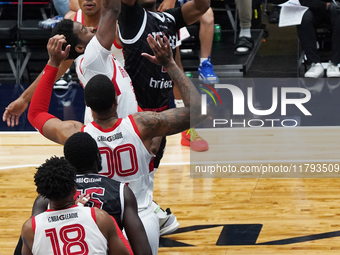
[(7, 31), (30, 29), (8, 35)]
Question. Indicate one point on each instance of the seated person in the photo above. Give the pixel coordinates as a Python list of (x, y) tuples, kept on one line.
[(319, 12), (206, 35), (244, 43)]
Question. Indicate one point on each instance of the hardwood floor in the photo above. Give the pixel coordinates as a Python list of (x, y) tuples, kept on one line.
[(217, 215)]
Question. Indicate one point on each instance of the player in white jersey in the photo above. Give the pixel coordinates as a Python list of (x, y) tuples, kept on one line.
[(99, 60), (93, 56), (124, 157), (67, 228), (100, 97)]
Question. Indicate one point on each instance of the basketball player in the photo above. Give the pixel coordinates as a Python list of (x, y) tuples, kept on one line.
[(111, 196), (115, 198), (66, 226), (120, 140), (153, 86), (94, 57)]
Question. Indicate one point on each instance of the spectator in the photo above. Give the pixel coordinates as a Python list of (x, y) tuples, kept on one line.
[(320, 11), (244, 43)]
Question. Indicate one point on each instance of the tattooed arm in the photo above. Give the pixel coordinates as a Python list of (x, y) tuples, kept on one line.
[(151, 124)]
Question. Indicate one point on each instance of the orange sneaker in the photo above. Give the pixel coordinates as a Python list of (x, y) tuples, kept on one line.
[(192, 139)]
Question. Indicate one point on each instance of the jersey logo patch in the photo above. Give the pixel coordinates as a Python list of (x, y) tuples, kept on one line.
[(123, 72)]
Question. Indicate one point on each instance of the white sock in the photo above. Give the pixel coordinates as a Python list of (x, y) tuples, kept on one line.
[(158, 210), (203, 59), (245, 32), (179, 103)]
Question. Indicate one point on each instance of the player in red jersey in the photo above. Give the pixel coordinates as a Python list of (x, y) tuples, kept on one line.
[(65, 226)]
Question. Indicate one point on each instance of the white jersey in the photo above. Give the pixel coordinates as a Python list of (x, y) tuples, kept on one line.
[(70, 231), (98, 60), (125, 158)]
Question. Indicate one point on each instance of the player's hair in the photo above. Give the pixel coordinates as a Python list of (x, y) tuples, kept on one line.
[(55, 179), (65, 27), (81, 150), (100, 93)]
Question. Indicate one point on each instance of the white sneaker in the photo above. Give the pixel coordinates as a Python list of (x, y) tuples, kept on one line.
[(332, 70), (316, 71), (169, 224), (167, 221)]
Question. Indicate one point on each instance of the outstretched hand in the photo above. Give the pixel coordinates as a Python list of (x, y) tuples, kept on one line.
[(13, 112), (162, 51), (55, 52)]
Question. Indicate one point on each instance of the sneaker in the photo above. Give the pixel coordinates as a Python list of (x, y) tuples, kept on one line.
[(169, 224), (64, 82), (332, 70), (206, 72), (192, 139), (316, 71)]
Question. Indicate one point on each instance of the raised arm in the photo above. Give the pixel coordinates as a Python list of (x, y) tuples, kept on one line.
[(14, 110), (110, 11), (151, 124), (133, 225), (47, 124)]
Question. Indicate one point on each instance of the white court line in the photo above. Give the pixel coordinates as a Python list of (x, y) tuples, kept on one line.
[(19, 132), (18, 166)]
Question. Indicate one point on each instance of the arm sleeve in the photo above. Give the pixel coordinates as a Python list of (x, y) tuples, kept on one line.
[(38, 110)]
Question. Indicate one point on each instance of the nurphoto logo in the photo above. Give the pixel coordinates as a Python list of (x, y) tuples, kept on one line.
[(238, 103)]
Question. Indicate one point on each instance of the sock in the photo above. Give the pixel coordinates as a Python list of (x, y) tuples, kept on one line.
[(179, 103), (203, 59), (245, 32), (161, 214)]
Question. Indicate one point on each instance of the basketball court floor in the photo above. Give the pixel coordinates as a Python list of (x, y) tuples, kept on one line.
[(220, 211)]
